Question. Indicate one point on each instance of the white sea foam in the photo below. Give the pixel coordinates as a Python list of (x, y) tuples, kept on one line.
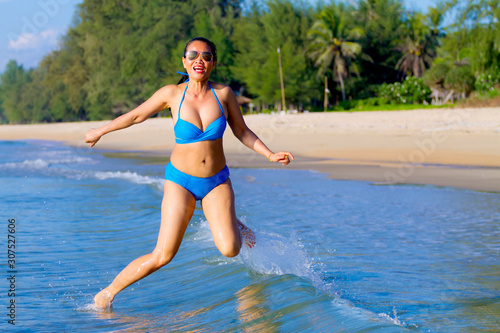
[(43, 163), (27, 164), (65, 156), (132, 177), (73, 159), (49, 166)]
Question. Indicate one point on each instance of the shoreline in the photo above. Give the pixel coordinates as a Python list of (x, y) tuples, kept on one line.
[(475, 178), (441, 147)]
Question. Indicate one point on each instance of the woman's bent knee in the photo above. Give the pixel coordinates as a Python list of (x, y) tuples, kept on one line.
[(230, 251), (160, 259)]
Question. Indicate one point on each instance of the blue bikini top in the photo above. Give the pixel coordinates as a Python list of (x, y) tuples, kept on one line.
[(185, 132)]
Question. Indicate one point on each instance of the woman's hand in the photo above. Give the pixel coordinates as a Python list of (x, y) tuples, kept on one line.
[(283, 157), (92, 136)]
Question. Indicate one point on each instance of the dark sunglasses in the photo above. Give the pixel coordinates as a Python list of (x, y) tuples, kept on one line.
[(191, 55)]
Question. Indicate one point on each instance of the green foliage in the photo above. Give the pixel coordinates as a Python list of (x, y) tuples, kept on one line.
[(257, 38), (436, 75), (477, 33), (383, 21), (2, 117), (332, 43), (126, 52), (486, 83), (13, 82), (460, 79), (411, 91)]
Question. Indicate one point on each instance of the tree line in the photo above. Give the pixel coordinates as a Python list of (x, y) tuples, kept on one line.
[(117, 53)]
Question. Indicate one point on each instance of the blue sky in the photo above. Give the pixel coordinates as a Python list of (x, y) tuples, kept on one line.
[(29, 29)]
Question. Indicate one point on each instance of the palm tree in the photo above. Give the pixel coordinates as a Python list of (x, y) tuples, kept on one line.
[(332, 44), (382, 21), (435, 17), (418, 47)]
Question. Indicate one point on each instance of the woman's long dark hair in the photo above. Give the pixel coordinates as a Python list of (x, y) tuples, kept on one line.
[(210, 44)]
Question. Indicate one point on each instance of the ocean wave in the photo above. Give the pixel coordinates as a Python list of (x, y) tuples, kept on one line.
[(49, 167), (41, 163), (73, 159), (132, 177), (27, 164)]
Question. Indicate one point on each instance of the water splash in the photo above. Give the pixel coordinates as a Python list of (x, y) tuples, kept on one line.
[(394, 320), (275, 254), (272, 254), (88, 307)]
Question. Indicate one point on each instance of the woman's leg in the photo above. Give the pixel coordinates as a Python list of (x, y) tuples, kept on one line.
[(227, 230), (176, 211)]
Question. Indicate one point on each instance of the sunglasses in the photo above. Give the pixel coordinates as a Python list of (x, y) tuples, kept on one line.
[(191, 55)]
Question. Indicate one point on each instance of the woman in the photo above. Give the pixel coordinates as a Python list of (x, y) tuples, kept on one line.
[(197, 168)]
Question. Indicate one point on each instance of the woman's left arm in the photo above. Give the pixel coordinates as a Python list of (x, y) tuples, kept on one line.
[(245, 135)]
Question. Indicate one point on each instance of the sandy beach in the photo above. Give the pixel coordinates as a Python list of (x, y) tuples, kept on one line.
[(457, 147)]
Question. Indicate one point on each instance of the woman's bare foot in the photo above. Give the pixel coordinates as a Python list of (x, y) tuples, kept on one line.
[(247, 235), (103, 299)]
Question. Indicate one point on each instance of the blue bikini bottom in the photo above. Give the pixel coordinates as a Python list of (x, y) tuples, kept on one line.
[(199, 187)]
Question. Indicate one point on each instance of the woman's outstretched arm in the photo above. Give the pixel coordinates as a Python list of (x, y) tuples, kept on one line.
[(155, 104), (245, 134)]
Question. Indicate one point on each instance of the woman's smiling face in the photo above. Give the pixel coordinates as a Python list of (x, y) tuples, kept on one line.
[(198, 68)]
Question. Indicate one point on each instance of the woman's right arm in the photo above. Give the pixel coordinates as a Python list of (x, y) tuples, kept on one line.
[(156, 103)]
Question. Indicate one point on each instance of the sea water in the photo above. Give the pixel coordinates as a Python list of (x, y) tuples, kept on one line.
[(330, 256)]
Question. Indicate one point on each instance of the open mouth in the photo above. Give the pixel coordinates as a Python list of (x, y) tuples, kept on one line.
[(199, 69)]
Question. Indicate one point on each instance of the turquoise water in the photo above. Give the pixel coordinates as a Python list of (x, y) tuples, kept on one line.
[(331, 256)]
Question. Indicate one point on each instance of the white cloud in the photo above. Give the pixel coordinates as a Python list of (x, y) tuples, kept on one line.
[(29, 41), (50, 35), (25, 41)]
